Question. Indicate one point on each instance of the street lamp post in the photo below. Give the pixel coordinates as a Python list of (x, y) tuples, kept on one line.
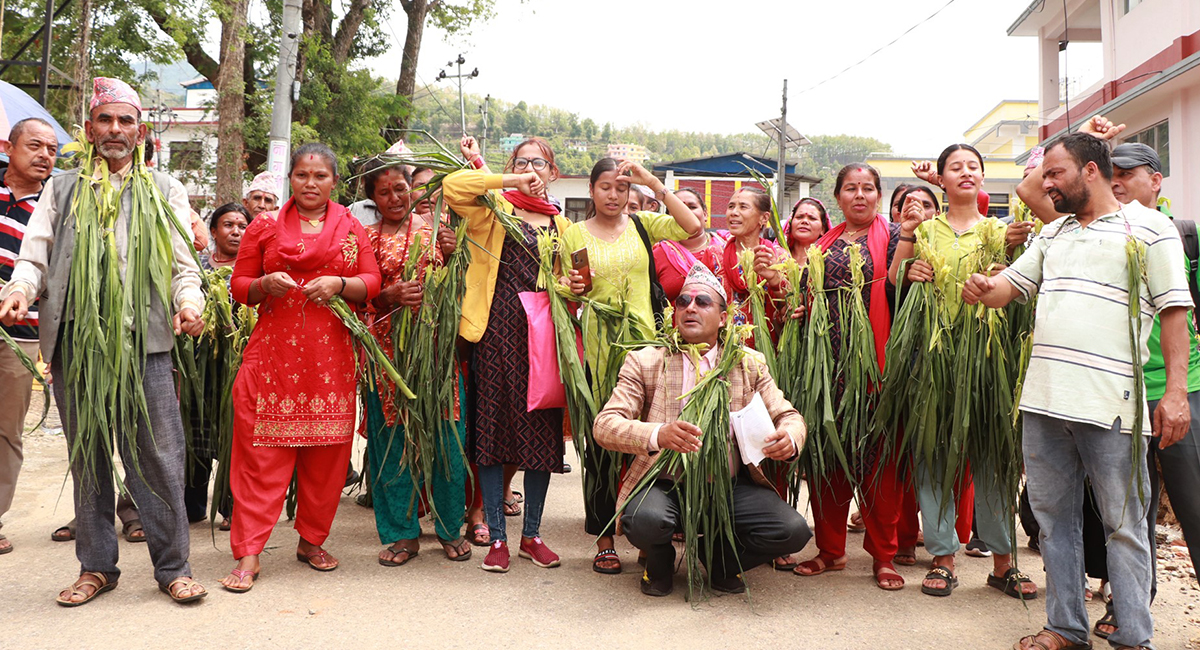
[(462, 110)]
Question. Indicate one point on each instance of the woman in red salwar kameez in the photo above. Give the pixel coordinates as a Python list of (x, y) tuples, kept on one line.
[(294, 396)]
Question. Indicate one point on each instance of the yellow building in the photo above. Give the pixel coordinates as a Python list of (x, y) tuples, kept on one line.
[(1003, 133)]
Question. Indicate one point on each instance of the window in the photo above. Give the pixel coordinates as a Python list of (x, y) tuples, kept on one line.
[(1156, 137), (186, 155), (1128, 5), (576, 209)]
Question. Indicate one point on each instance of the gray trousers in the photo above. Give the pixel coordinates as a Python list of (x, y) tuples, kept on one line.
[(765, 526), (157, 490)]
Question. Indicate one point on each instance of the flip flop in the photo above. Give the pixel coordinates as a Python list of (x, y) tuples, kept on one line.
[(512, 508), (408, 553), (6, 549), (940, 573), (457, 546), (68, 537), (308, 558), (241, 575), (97, 580), (185, 582), (784, 566)]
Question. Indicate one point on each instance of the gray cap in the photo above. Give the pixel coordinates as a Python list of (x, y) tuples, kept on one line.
[(1135, 154)]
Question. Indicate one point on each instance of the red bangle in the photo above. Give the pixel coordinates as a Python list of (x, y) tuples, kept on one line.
[(477, 161)]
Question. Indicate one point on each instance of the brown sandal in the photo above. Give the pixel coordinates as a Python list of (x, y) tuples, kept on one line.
[(819, 565), (97, 581), (1048, 640), (181, 584), (885, 571)]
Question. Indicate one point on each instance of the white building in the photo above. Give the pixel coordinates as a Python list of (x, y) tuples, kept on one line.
[(1150, 80), (185, 139)]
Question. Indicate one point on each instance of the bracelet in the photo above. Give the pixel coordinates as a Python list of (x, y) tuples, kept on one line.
[(911, 240), (477, 161), (343, 285), (260, 289)]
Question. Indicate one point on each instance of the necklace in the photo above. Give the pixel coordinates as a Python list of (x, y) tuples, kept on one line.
[(850, 234), (702, 246), (215, 257), (313, 222)]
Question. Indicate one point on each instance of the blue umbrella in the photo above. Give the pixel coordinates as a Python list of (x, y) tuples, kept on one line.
[(16, 105)]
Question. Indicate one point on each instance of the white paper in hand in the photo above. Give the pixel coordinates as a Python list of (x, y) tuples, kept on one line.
[(752, 426)]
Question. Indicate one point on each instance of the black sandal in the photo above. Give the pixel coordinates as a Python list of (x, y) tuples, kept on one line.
[(606, 555), (1109, 618), (1011, 583), (940, 573)]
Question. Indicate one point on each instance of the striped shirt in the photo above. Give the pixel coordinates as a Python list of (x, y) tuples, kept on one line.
[(1081, 368), (14, 216)]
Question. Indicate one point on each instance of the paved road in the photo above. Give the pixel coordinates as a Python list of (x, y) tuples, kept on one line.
[(435, 603)]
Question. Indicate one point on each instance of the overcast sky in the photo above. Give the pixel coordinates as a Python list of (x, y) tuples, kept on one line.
[(709, 65)]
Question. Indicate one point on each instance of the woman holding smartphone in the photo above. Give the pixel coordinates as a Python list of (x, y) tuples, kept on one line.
[(618, 247)]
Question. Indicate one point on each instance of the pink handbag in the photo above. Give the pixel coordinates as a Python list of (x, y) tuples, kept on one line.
[(546, 389)]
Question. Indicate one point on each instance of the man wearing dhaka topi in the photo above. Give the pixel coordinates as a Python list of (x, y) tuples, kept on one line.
[(118, 281)]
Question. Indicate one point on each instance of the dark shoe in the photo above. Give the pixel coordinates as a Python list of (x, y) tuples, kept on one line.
[(352, 477), (364, 500), (976, 548), (658, 587), (567, 470), (730, 585), (1010, 583), (1035, 545), (1109, 620)]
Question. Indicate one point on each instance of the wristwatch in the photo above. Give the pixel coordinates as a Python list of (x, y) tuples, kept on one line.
[(661, 195)]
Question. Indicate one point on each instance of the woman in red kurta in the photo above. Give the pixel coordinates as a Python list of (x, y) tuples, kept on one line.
[(294, 396)]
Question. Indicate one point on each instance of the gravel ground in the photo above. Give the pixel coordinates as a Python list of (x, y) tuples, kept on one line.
[(432, 602)]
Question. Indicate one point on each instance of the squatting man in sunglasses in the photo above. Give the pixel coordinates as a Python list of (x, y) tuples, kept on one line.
[(642, 417)]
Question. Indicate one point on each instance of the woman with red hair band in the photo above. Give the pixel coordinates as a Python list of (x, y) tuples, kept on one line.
[(857, 193)]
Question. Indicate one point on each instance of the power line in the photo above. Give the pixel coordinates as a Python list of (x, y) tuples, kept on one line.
[(880, 49), (419, 78)]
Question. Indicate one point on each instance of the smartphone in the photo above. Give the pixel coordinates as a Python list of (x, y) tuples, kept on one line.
[(579, 261)]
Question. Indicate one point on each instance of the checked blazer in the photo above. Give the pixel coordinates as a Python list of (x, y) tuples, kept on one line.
[(647, 394)]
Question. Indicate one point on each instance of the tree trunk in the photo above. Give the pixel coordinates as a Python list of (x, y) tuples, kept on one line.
[(231, 97), (79, 93), (416, 10)]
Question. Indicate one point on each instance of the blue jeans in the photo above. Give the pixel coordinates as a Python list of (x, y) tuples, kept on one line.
[(994, 514), (491, 481), (1058, 454)]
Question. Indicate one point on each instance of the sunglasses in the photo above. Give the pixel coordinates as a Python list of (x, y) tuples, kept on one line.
[(537, 163), (703, 301)]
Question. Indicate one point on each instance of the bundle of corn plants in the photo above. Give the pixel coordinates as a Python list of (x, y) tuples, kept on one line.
[(376, 359), (981, 420), (107, 315), (757, 290), (789, 366), (32, 368), (823, 450), (1135, 261), (704, 487), (858, 365), (244, 319), (917, 383)]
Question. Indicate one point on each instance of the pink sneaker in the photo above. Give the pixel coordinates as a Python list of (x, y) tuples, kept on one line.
[(497, 558), (535, 550)]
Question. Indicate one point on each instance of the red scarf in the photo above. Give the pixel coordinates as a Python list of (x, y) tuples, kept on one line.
[(878, 311), (732, 269), (305, 257), (530, 203)]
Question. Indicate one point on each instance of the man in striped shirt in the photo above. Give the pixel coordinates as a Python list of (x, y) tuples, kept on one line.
[(1081, 394), (31, 147)]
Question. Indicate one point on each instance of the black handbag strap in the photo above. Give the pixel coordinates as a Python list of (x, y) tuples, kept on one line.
[(658, 295)]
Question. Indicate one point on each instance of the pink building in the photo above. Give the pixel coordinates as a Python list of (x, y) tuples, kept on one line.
[(1150, 80)]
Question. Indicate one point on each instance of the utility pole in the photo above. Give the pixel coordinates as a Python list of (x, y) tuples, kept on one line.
[(287, 91), (484, 109), (162, 118), (462, 110), (782, 169)]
